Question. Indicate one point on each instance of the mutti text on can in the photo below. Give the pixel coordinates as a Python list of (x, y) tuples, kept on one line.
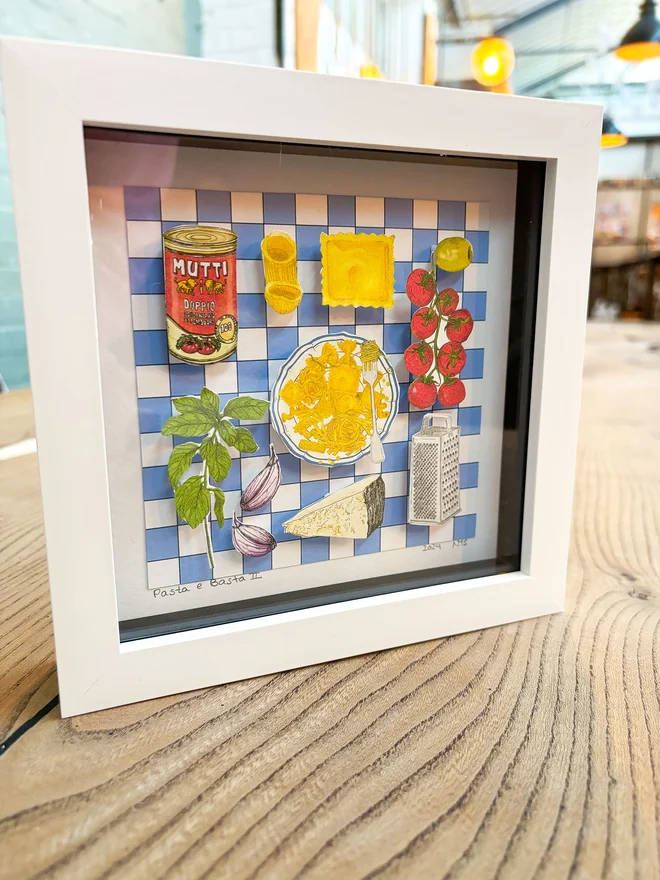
[(200, 292)]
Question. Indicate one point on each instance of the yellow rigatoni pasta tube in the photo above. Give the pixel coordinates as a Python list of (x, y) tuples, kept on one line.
[(283, 291)]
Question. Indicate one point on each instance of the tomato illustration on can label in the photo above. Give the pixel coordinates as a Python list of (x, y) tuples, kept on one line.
[(200, 293)]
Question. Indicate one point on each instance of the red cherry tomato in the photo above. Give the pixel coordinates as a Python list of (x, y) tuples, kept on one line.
[(422, 394), (418, 358), (459, 325), (424, 323), (452, 392), (451, 358), (447, 301), (420, 287)]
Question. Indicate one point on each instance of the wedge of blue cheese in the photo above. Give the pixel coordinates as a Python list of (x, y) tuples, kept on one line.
[(353, 512)]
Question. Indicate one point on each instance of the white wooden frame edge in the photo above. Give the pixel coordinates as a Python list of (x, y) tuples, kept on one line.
[(51, 91)]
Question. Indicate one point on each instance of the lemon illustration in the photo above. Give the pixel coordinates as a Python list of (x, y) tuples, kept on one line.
[(453, 254)]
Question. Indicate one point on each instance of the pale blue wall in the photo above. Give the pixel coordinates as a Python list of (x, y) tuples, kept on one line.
[(155, 25), (13, 362)]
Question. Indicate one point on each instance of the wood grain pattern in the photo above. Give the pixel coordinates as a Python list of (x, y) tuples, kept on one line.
[(525, 751)]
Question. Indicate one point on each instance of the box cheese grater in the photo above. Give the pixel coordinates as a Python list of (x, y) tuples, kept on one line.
[(434, 474)]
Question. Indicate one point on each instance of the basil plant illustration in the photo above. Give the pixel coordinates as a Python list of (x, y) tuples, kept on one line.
[(202, 417)]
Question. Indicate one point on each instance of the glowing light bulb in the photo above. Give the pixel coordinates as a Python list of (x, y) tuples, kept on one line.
[(491, 65), (492, 61)]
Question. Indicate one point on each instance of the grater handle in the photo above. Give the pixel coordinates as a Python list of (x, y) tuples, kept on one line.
[(429, 420)]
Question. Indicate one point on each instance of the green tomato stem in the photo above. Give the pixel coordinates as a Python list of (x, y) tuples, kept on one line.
[(434, 304), (434, 343)]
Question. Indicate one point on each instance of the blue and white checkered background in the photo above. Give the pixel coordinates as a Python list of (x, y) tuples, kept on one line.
[(175, 552)]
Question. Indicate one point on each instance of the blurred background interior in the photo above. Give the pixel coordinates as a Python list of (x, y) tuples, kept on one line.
[(599, 51)]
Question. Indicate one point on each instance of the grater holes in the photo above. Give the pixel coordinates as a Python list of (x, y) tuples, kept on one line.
[(450, 483), (435, 484), (425, 468)]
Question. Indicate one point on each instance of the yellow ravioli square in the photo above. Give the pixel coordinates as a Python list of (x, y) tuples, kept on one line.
[(357, 269)]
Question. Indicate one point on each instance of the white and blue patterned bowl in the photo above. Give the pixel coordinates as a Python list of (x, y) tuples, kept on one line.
[(291, 369)]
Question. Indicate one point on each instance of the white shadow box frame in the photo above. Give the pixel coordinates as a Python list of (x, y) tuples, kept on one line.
[(54, 90)]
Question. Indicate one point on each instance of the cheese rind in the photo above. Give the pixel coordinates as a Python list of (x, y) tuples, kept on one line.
[(353, 512)]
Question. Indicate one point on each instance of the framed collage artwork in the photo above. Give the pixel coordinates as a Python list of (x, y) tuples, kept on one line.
[(134, 220), (311, 411)]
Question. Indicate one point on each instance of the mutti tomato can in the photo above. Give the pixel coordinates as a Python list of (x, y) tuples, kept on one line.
[(200, 293)]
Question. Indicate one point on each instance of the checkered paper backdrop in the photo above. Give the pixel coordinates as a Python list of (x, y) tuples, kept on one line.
[(175, 552)]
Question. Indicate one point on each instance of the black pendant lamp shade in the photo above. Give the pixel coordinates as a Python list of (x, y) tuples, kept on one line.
[(642, 41), (611, 136)]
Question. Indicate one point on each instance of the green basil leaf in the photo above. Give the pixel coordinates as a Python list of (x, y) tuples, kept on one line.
[(193, 501), (180, 460), (216, 457), (245, 408), (227, 431), (189, 404), (189, 424), (211, 401), (244, 441), (219, 506)]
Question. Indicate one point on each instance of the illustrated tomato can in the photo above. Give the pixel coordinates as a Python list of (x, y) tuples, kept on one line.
[(200, 293)]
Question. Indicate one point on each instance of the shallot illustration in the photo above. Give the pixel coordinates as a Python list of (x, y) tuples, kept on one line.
[(251, 540), (263, 487)]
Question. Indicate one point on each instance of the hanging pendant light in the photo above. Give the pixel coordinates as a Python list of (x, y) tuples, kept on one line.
[(642, 41), (492, 61), (611, 136)]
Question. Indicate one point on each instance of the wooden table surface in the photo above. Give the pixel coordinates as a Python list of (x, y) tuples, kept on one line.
[(526, 751)]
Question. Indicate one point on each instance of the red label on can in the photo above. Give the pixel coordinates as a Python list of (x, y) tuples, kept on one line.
[(200, 303)]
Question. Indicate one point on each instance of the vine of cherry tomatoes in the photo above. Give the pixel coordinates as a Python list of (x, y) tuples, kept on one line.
[(434, 363)]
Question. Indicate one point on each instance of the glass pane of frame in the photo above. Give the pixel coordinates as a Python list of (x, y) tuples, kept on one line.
[(316, 366)]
